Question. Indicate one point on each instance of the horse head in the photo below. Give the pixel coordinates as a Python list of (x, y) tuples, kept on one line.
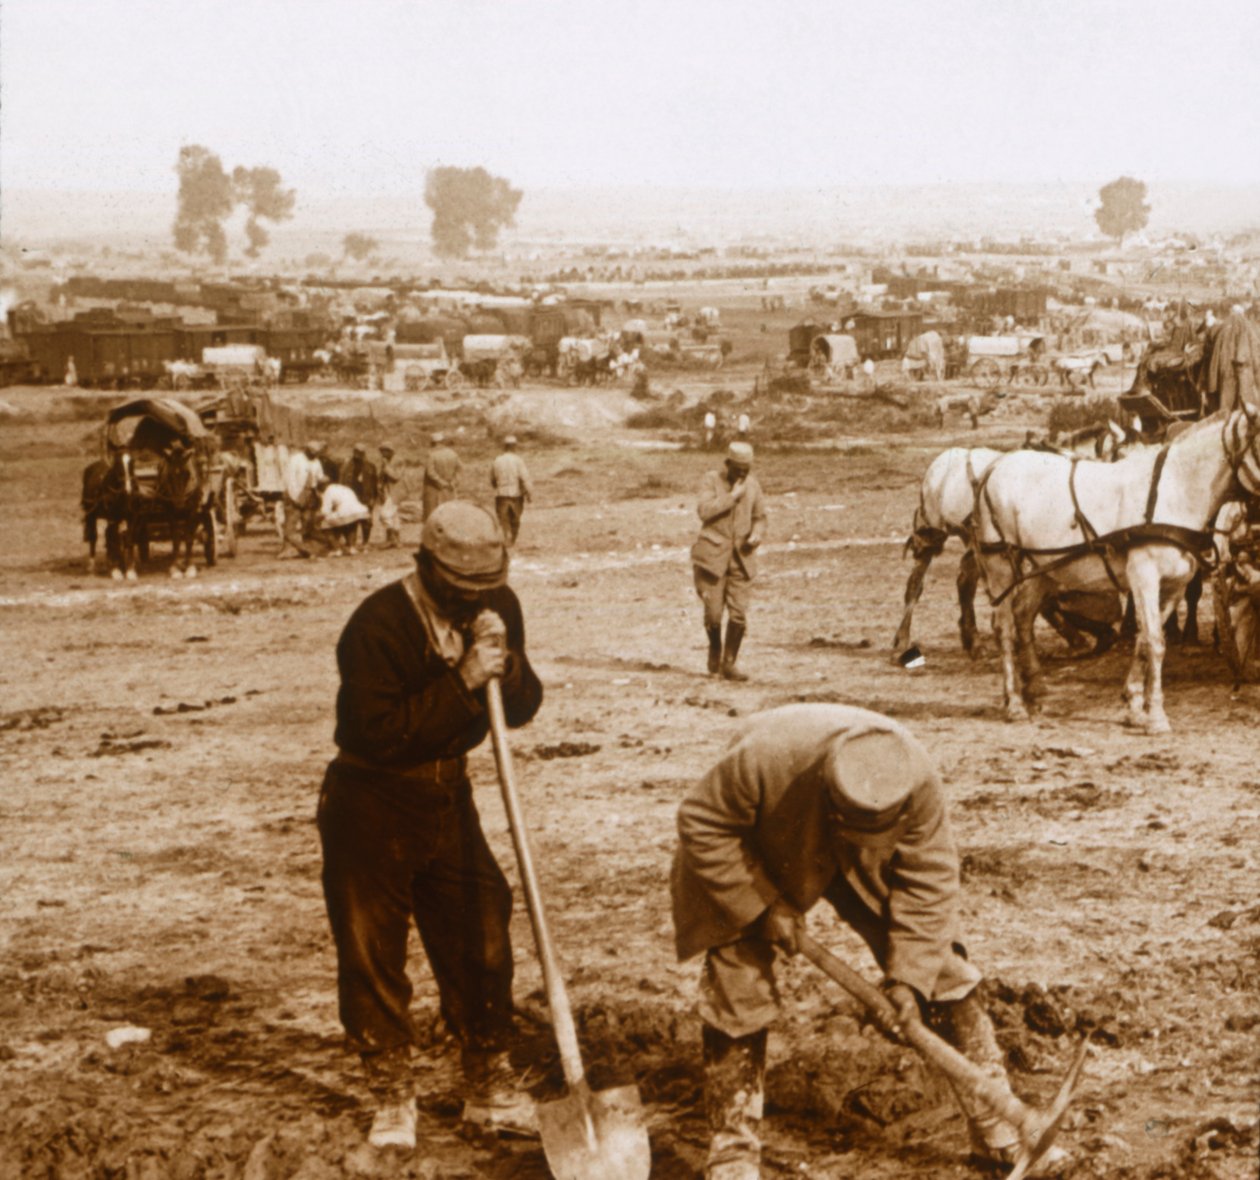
[(179, 476)]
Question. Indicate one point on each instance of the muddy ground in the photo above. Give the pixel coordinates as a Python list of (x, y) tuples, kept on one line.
[(161, 747)]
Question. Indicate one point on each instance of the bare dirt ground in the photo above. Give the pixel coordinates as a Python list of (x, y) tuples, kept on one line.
[(161, 747)]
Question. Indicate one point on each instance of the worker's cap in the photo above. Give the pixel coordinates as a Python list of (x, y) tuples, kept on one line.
[(385, 449), (323, 479), (314, 446), (740, 453), (870, 773), (465, 545), (360, 449), (509, 440), (437, 437)]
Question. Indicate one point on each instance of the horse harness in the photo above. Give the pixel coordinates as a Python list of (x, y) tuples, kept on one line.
[(1197, 543)]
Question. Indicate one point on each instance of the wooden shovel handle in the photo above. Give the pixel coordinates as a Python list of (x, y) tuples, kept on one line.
[(553, 978), (959, 1069)]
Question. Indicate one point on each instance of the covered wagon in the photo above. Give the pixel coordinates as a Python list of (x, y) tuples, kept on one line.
[(833, 357)]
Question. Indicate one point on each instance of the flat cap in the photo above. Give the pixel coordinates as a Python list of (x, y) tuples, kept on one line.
[(740, 453), (870, 772), (509, 440), (464, 542), (436, 437), (360, 449)]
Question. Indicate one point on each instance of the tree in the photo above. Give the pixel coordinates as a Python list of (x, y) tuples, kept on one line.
[(1122, 208), (359, 246), (208, 195), (205, 202), (470, 207), (258, 189)]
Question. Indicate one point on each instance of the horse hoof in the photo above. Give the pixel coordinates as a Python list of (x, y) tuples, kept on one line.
[(1156, 726), (190, 572), (132, 576), (117, 575), (176, 572), (1016, 713)]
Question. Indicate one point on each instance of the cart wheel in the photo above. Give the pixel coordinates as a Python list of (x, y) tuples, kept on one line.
[(210, 535), (1224, 598), (1039, 375), (453, 380), (233, 524), (986, 373)]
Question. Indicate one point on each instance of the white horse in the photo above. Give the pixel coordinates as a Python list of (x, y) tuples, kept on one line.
[(947, 499), (1047, 524)]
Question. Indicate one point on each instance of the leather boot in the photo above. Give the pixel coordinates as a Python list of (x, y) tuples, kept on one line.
[(495, 1100), (734, 637), (734, 1088), (715, 649), (391, 538), (970, 1030)]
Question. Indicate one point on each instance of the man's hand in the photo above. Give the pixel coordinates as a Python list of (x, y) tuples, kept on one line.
[(752, 541), (738, 488), (486, 657), (782, 924), (905, 1001)]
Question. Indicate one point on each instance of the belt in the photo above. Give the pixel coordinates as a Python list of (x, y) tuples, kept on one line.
[(439, 770)]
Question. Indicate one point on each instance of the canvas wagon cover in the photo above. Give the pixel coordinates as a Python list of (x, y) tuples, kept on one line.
[(235, 356), (837, 350), (152, 424), (493, 348)]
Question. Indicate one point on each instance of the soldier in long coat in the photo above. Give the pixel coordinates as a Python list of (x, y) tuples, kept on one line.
[(441, 474), (732, 515), (818, 802)]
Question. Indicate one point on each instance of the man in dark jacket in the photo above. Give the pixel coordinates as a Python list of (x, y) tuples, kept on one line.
[(401, 836), (820, 801), (360, 477)]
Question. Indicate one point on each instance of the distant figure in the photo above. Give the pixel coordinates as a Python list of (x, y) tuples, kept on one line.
[(340, 514), (441, 474), (72, 374), (512, 490), (742, 426), (387, 478), (361, 478), (710, 429), (868, 372), (302, 475)]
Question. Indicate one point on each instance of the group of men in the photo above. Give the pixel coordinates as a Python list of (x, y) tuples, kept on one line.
[(330, 507), (811, 802)]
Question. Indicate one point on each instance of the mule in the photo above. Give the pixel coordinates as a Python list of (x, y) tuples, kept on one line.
[(1046, 524), (107, 494), (180, 499)]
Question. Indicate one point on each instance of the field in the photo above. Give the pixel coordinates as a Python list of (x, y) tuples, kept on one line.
[(161, 747)]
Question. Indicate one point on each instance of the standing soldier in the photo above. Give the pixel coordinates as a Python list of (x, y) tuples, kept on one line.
[(441, 473), (821, 801), (710, 429), (512, 489), (302, 474), (733, 517), (388, 479), (361, 478), (401, 837)]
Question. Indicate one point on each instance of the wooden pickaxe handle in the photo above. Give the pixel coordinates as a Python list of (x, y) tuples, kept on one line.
[(959, 1069)]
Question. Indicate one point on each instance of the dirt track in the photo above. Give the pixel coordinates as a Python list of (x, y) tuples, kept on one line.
[(162, 744)]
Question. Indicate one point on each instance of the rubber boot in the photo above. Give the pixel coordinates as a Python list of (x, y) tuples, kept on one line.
[(734, 637), (715, 649), (734, 1090), (495, 1100)]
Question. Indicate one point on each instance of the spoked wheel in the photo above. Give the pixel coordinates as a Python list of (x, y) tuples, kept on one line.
[(453, 380), (233, 522), (1236, 624)]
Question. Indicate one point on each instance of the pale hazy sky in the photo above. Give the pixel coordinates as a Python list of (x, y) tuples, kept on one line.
[(358, 96)]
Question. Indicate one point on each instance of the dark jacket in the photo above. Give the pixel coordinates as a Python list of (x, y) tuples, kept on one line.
[(400, 703), (360, 477)]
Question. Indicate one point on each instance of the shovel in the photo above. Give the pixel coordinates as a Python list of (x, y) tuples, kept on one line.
[(588, 1134), (1037, 1129)]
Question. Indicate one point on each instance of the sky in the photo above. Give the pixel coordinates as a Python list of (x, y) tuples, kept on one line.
[(362, 96)]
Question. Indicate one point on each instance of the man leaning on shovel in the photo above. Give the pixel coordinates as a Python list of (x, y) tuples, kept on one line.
[(401, 836), (821, 801)]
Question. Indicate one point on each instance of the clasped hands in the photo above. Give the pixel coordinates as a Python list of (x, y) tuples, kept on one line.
[(486, 656)]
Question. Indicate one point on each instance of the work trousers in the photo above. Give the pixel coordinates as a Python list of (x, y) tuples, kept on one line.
[(434, 496), (509, 509), (398, 850), (738, 994), (731, 592)]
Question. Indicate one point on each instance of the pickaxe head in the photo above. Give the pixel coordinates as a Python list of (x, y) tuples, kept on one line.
[(1036, 1146)]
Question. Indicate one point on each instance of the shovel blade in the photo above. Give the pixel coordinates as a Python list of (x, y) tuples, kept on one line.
[(596, 1135)]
